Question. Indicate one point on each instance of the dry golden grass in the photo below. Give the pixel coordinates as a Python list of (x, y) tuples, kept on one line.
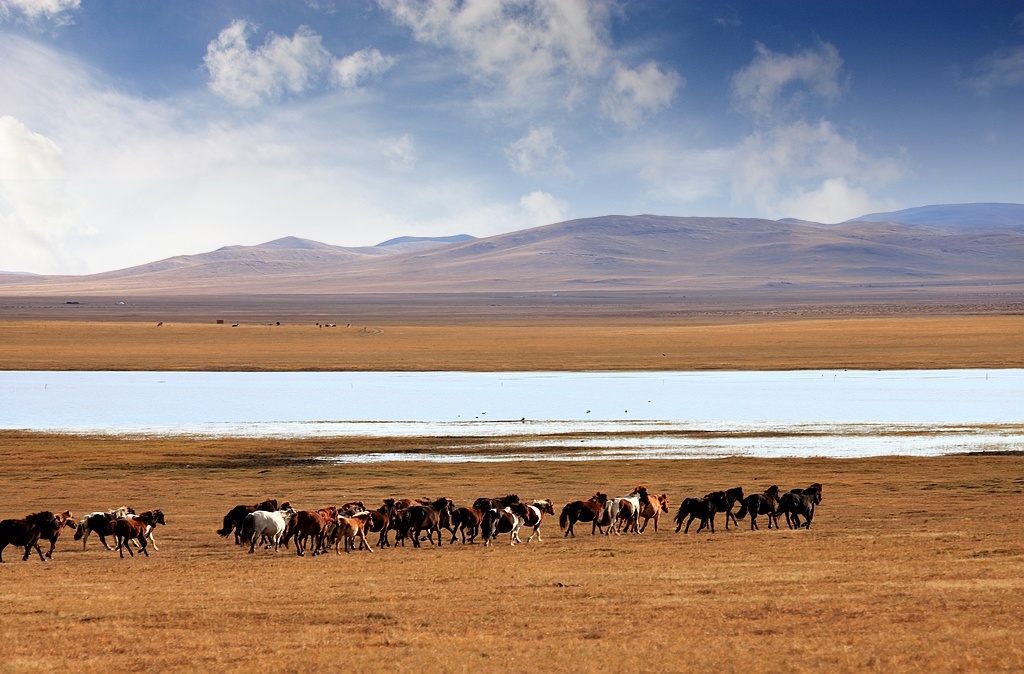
[(911, 564), (914, 342)]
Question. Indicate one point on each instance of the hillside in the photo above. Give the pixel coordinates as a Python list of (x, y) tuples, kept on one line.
[(644, 252)]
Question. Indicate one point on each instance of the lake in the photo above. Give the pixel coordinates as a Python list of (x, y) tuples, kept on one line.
[(609, 415)]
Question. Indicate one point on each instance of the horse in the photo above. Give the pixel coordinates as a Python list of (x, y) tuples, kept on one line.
[(651, 508), (761, 504), (583, 511), (27, 532), (533, 516), (810, 489), (796, 505), (64, 519), (380, 521), (233, 520), (466, 519), (505, 521), (348, 529), (351, 508), (158, 516), (733, 496), (136, 528), (704, 508), (306, 525), (484, 504), (419, 518), (100, 522), (625, 509), (270, 524)]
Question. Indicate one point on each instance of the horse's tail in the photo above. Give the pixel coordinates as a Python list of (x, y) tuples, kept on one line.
[(563, 518), (680, 516), (743, 510), (229, 524)]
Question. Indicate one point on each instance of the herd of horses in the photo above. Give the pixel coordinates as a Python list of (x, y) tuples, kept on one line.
[(271, 524), (125, 526)]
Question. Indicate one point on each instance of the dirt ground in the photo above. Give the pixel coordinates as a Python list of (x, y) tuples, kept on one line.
[(910, 564)]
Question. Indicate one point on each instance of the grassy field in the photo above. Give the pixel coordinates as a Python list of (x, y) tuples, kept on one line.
[(878, 342), (910, 564)]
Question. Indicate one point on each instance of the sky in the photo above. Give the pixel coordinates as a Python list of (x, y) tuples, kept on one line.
[(135, 130)]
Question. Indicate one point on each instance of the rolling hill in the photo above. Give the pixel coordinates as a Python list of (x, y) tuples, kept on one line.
[(968, 245)]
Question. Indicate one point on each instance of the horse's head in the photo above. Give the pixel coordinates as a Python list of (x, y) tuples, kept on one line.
[(663, 502), (545, 506), (772, 491)]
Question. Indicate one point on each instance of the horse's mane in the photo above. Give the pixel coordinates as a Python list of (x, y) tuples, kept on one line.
[(41, 517)]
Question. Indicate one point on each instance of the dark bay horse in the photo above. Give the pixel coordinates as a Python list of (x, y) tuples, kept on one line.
[(703, 508), (762, 504), (428, 518), (800, 503), (27, 532), (236, 516), (590, 510)]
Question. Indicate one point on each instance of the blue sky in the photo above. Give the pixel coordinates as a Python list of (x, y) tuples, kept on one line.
[(132, 131)]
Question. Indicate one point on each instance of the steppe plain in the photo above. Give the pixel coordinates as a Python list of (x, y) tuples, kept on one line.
[(910, 564)]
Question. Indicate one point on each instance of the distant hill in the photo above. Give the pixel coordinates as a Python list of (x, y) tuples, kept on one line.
[(954, 215), (458, 238), (609, 253)]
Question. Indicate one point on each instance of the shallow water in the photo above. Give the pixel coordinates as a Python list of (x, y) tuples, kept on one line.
[(807, 413)]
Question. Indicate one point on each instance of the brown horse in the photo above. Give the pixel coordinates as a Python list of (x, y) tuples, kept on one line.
[(27, 532), (483, 504), (428, 518), (64, 519), (380, 521), (348, 529), (136, 529), (101, 523), (583, 511), (651, 508), (233, 520), (304, 526), (466, 520)]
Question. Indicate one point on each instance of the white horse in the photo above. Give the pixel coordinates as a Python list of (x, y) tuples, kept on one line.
[(623, 510), (271, 525)]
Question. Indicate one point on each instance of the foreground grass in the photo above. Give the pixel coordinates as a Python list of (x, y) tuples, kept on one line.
[(911, 564), (879, 342)]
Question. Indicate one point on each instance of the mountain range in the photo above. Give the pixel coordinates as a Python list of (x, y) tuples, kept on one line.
[(948, 245)]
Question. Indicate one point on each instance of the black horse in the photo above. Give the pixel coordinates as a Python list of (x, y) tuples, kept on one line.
[(800, 503), (762, 504)]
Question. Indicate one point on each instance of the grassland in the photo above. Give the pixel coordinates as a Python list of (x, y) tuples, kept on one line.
[(911, 564), (874, 342)]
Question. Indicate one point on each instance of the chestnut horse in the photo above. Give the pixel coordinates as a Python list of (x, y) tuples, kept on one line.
[(136, 529), (466, 519), (651, 508), (583, 511), (27, 532)]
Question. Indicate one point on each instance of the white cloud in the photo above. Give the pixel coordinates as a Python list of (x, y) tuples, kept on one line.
[(762, 86), (292, 65), (528, 50), (354, 68), (777, 167), (542, 208), (32, 200), (55, 11), (634, 94), (1003, 69), (400, 153), (833, 201), (537, 152)]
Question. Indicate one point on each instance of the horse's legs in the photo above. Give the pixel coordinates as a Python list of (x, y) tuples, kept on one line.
[(688, 523), (86, 536), (143, 547), (151, 541)]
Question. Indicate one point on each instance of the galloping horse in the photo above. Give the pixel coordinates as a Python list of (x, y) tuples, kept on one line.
[(762, 504), (419, 518), (136, 528), (236, 516), (101, 523), (505, 521), (583, 511), (27, 532), (623, 510), (270, 524), (796, 505), (651, 508), (533, 516), (466, 519), (64, 519)]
